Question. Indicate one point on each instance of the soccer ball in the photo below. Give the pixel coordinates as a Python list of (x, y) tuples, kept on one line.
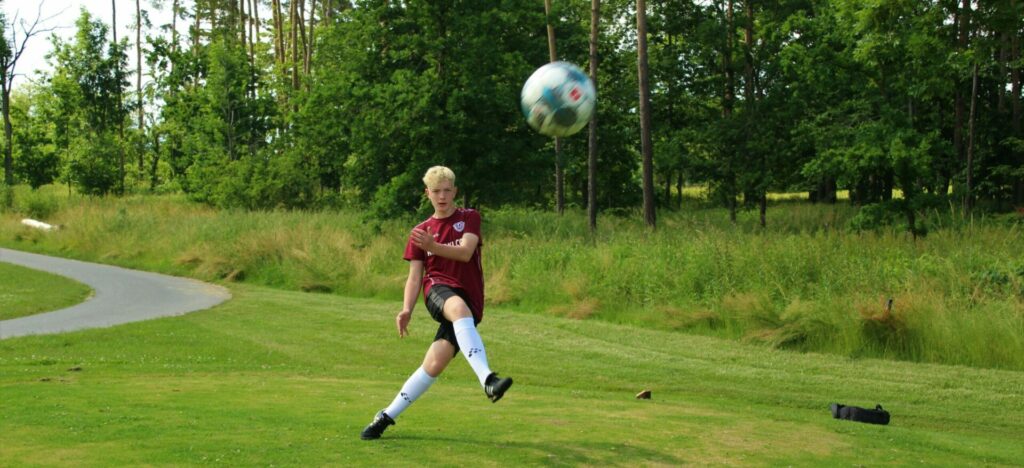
[(558, 99)]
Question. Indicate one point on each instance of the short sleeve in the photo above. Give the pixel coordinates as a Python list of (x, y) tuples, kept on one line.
[(413, 253), (473, 223)]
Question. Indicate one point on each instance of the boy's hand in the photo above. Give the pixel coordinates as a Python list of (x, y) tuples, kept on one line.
[(423, 239), (402, 321)]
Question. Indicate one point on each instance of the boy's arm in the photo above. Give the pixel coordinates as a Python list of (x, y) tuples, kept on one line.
[(412, 293), (462, 252)]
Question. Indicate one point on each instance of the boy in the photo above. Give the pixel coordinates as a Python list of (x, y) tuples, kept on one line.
[(444, 258)]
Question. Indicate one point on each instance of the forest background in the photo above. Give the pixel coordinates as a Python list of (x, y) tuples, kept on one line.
[(312, 104)]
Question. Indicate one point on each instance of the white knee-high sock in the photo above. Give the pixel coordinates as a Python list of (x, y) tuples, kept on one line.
[(417, 384), (472, 347)]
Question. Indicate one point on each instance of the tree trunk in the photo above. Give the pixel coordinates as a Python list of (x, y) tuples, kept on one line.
[(645, 113), (238, 23), (301, 18), (679, 190), (155, 163), (8, 131), (750, 95), (969, 201), (195, 32), (294, 15), (729, 96), (254, 37), (595, 17), (727, 102), (962, 19), (1018, 191), (312, 36), (668, 188), (278, 33), (138, 80), (120, 124), (559, 170), (174, 32)]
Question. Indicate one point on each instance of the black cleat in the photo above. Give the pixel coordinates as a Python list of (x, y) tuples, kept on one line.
[(495, 387), (380, 422)]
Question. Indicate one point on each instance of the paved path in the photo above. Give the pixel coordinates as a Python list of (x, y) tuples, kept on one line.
[(120, 296)]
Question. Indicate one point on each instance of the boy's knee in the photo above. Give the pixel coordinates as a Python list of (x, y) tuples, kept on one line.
[(455, 309)]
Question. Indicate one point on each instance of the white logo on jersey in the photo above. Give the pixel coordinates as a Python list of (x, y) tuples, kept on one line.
[(459, 226)]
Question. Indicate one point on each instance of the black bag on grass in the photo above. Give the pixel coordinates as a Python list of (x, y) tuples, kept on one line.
[(856, 413)]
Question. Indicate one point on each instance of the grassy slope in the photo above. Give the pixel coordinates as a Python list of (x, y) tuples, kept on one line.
[(286, 378), (26, 291), (805, 283)]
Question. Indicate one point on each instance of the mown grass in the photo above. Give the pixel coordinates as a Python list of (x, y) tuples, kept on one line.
[(278, 377), (805, 283), (24, 291)]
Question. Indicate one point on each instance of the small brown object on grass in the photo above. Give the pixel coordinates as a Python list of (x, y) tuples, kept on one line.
[(644, 395)]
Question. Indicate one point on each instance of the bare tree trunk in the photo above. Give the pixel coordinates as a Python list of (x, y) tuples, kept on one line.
[(750, 92), (645, 114), (195, 31), (120, 124), (727, 63), (312, 36), (969, 201), (962, 19), (174, 32), (239, 21), (138, 80), (278, 32), (301, 18), (1004, 58), (559, 171), (1018, 191), (294, 15), (8, 130), (727, 104), (155, 163), (595, 17), (254, 37)]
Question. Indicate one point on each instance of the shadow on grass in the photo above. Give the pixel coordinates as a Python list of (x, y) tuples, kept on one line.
[(555, 453)]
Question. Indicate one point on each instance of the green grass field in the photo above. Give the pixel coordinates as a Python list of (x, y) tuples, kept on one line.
[(277, 377), (26, 291)]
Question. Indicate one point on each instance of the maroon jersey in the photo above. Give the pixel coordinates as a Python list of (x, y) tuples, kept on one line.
[(467, 276)]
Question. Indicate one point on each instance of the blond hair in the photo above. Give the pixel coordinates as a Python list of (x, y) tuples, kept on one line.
[(436, 174)]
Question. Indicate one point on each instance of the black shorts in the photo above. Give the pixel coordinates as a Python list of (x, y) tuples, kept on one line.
[(435, 305)]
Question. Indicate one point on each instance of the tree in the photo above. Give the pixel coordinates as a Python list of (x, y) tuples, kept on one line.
[(645, 113), (559, 171), (36, 160), (595, 16), (10, 52), (88, 82)]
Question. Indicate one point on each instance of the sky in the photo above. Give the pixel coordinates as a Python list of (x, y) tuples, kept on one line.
[(60, 15)]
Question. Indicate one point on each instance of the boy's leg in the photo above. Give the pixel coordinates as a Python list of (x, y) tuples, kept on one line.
[(456, 310), (436, 360), (470, 343)]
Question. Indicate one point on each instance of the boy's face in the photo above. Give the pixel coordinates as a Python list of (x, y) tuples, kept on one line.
[(442, 197)]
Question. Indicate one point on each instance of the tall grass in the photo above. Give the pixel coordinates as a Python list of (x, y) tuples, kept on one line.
[(804, 283)]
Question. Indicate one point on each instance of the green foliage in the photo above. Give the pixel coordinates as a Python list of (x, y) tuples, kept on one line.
[(871, 97), (36, 160), (94, 164)]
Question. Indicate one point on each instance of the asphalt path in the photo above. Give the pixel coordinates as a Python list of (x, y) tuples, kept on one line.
[(119, 296)]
